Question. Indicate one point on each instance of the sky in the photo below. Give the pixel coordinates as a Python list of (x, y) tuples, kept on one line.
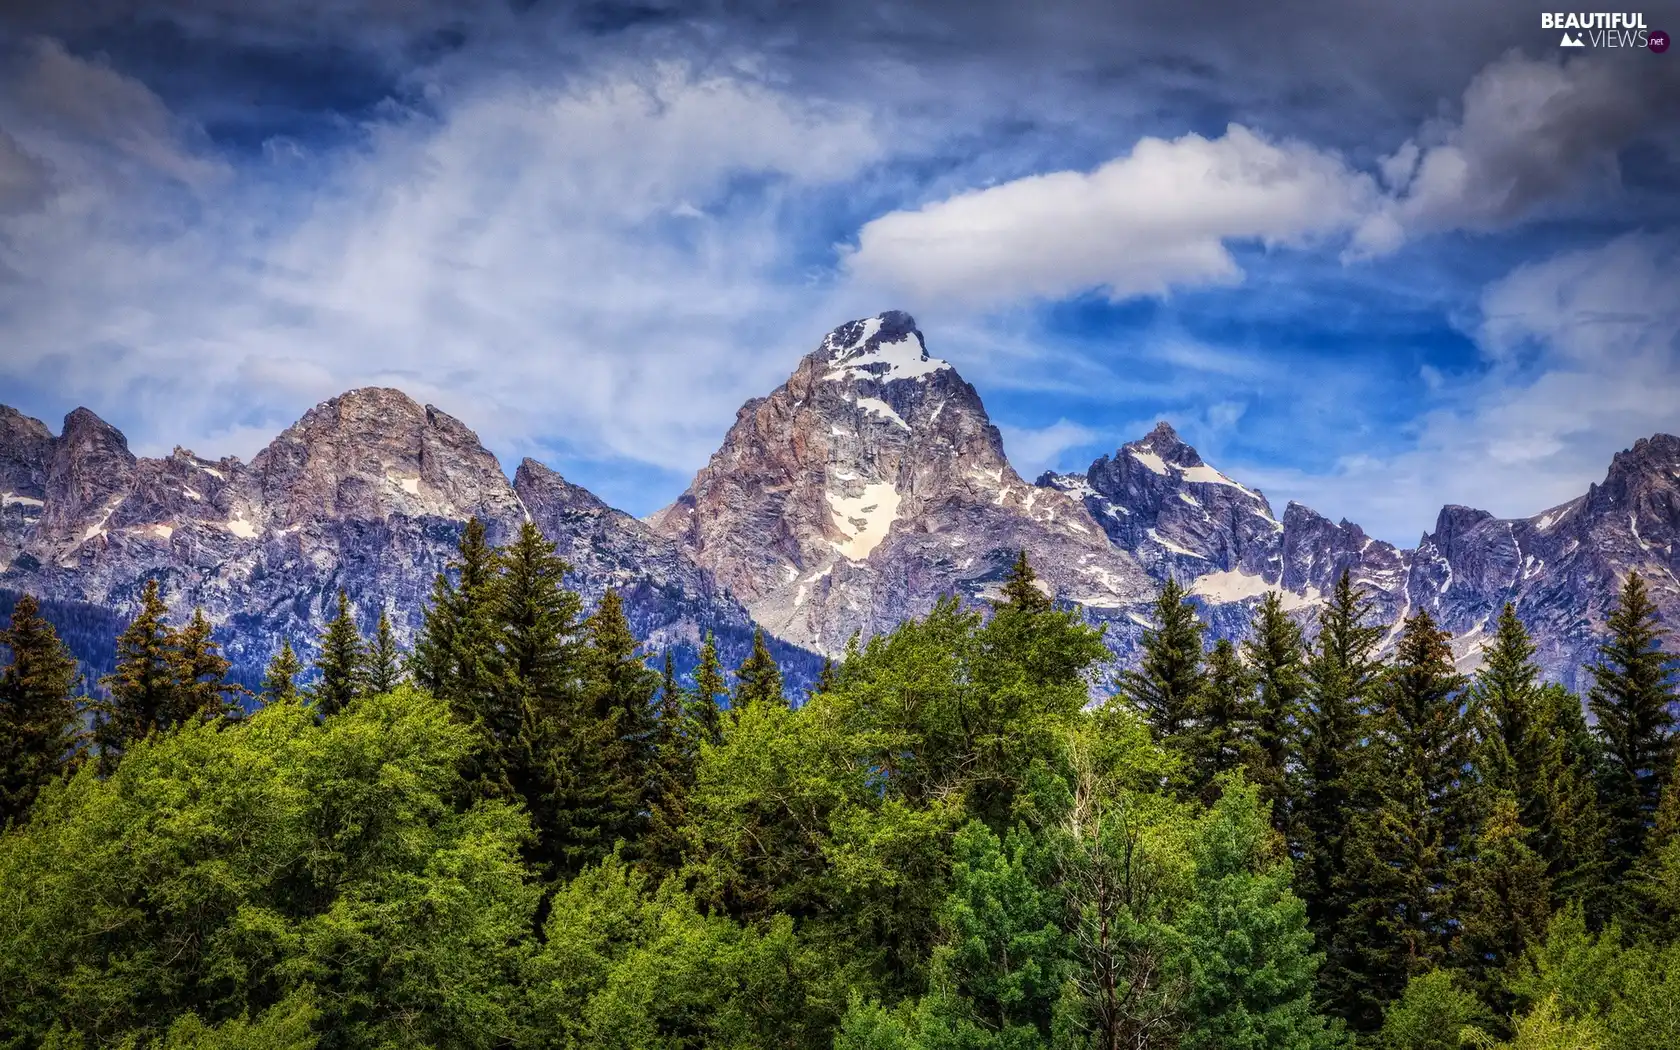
[(1373, 257)]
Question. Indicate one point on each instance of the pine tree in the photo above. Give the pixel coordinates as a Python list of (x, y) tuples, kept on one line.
[(676, 755), (1020, 588), (1525, 750), (827, 677), (1223, 735), (280, 681), (1502, 902), (1632, 697), (1653, 883), (758, 680), (142, 688), (340, 663), (39, 719), (456, 646), (382, 663), (621, 690), (1405, 849), (1169, 677), (1276, 656), (541, 740), (1342, 675), (703, 705), (200, 670)]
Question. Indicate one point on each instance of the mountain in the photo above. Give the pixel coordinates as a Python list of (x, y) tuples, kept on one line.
[(853, 496), (871, 483), (1157, 499), (368, 492)]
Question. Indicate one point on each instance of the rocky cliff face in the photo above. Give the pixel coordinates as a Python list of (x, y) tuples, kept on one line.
[(853, 496), (870, 484), (367, 492), (1156, 498)]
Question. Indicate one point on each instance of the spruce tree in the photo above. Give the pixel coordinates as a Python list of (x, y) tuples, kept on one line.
[(1276, 657), (1502, 903), (703, 707), (342, 676), (541, 740), (1223, 737), (1406, 843), (758, 680), (39, 719), (1653, 883), (827, 677), (456, 648), (142, 688), (621, 690), (1632, 698), (1169, 678), (1020, 588), (200, 670), (1529, 748), (280, 680), (1342, 675), (382, 663)]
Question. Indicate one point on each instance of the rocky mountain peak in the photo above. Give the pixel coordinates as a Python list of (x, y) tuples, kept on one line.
[(26, 447), (376, 451), (869, 484), (87, 477)]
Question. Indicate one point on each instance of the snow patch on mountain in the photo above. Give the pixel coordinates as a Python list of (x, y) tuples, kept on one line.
[(865, 519)]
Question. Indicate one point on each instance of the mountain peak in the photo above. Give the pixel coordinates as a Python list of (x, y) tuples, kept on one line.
[(882, 348), (1164, 445)]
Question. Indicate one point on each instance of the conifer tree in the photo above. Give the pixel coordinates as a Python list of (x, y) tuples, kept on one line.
[(456, 648), (1653, 891), (1223, 737), (340, 663), (382, 662), (621, 691), (1502, 902), (703, 704), (758, 680), (1531, 747), (1169, 678), (1632, 698), (827, 677), (1276, 656), (39, 720), (200, 670), (142, 688), (1342, 674), (280, 680), (1020, 588), (1405, 847)]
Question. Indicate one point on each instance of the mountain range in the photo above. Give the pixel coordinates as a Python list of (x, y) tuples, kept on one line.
[(851, 497)]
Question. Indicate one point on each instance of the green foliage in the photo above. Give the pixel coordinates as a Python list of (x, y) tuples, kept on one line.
[(1432, 1014), (1343, 676), (1169, 676), (1632, 697), (1503, 902), (280, 681), (759, 680), (1276, 657), (1222, 738), (39, 717), (383, 661), (224, 867), (342, 674), (1020, 588)]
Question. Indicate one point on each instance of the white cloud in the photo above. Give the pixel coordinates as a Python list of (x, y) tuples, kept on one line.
[(575, 262), (1581, 356), (1143, 223), (1034, 450), (1531, 130)]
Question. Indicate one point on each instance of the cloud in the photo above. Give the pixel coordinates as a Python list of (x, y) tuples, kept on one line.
[(596, 266), (1531, 130), (1580, 358), (1032, 451), (1141, 224)]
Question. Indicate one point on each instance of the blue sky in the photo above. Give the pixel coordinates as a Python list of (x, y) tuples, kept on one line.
[(1376, 258)]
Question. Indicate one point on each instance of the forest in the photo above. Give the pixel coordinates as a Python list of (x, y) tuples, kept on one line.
[(973, 833)]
